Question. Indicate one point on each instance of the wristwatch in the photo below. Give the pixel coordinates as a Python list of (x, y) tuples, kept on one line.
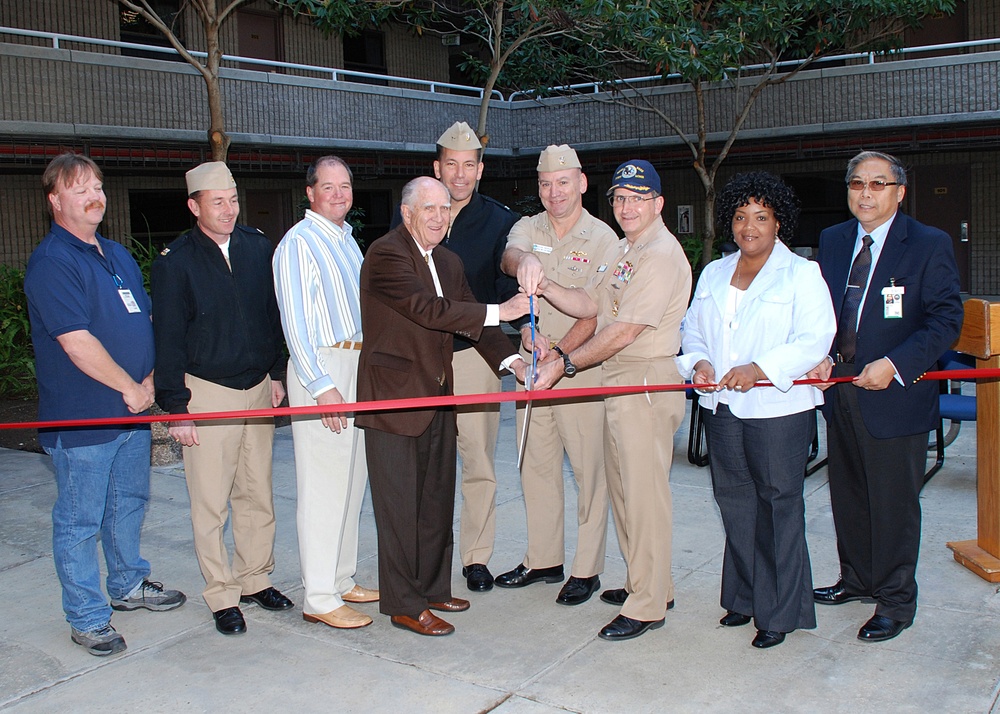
[(569, 369)]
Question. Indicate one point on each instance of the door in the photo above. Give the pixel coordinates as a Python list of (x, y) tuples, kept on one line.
[(270, 211), (941, 198), (258, 37)]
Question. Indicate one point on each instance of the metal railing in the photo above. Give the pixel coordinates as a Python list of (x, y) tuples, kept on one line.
[(598, 87), (336, 74), (342, 75)]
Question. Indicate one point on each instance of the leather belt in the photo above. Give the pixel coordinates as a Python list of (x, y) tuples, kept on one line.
[(347, 345)]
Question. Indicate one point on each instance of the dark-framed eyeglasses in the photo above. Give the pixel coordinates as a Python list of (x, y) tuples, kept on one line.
[(876, 185), (629, 200)]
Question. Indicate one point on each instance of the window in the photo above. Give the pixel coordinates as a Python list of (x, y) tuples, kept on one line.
[(133, 27), (365, 53), (157, 217)]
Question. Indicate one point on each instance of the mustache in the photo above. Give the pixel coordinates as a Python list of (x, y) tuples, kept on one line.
[(94, 204)]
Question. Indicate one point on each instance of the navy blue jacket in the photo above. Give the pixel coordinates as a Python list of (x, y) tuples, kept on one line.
[(218, 324), (921, 259)]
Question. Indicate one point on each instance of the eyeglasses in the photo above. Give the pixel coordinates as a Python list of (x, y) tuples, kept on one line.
[(876, 185), (631, 200)]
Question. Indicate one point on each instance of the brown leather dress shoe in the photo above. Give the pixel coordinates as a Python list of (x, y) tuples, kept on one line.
[(360, 594), (343, 618), (426, 623), (456, 604)]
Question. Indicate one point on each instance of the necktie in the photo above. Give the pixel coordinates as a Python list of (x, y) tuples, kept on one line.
[(847, 327)]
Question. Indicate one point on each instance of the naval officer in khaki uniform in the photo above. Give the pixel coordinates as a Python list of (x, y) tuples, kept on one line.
[(639, 295), (565, 242)]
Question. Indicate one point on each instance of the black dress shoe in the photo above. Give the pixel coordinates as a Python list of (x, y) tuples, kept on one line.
[(734, 619), (881, 628), (578, 590), (618, 596), (229, 621), (767, 638), (625, 628), (521, 576), (478, 577), (269, 599), (835, 595)]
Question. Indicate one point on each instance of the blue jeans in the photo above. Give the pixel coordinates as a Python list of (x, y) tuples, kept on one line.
[(102, 489)]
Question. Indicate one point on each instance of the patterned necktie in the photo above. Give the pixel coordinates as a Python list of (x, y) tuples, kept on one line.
[(847, 327)]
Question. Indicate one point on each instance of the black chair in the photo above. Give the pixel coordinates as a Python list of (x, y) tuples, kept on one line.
[(697, 449), (814, 448)]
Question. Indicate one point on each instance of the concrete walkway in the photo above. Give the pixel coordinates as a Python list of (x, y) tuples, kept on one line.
[(515, 651)]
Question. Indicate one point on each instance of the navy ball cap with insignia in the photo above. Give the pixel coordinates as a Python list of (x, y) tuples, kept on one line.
[(636, 175)]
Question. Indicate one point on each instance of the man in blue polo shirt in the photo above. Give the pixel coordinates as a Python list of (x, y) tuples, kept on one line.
[(93, 342)]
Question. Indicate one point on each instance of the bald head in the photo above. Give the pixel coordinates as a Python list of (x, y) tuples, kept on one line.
[(426, 209)]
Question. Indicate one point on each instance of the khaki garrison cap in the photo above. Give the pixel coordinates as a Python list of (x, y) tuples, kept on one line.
[(210, 176), (558, 158), (460, 137)]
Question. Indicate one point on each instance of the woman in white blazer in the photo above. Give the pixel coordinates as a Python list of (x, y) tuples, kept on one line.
[(762, 313)]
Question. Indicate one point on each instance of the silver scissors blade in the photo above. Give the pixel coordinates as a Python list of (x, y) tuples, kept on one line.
[(529, 384)]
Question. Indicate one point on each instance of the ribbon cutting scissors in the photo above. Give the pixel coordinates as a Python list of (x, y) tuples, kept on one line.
[(529, 383)]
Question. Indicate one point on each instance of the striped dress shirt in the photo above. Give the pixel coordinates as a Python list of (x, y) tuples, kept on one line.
[(317, 268)]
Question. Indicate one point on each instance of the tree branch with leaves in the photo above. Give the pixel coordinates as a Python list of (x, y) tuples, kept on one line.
[(704, 44), (212, 16)]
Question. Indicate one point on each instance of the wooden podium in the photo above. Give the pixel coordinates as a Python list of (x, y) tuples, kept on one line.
[(981, 338)]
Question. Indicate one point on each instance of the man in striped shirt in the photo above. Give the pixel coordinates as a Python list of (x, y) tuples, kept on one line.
[(316, 277)]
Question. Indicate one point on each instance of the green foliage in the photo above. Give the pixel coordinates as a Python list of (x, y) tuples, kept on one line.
[(694, 248), (528, 205), (17, 357), (342, 16), (709, 41), (144, 253), (704, 41)]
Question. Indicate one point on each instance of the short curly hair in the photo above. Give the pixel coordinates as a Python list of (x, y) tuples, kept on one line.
[(765, 188)]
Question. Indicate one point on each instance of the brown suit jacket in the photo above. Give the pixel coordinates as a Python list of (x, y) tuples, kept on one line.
[(408, 329)]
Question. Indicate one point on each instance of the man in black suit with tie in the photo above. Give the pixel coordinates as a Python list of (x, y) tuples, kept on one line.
[(894, 284)]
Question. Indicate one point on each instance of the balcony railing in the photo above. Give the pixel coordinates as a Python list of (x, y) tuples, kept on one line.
[(635, 82), (342, 75), (334, 73)]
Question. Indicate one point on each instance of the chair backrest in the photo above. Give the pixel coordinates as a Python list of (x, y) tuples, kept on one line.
[(955, 405)]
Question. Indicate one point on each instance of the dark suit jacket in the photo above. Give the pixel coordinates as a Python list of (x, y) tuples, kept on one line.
[(921, 259), (408, 329)]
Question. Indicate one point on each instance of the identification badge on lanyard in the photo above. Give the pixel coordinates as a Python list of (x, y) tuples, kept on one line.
[(130, 304), (892, 298)]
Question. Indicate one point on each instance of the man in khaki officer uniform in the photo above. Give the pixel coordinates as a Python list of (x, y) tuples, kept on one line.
[(565, 242), (639, 295)]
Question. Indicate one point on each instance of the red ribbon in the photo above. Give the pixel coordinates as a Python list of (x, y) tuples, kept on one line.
[(454, 400)]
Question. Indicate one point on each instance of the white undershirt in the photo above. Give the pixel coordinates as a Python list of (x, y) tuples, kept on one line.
[(734, 298)]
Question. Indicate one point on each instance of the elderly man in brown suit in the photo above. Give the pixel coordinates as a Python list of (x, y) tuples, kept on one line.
[(414, 299)]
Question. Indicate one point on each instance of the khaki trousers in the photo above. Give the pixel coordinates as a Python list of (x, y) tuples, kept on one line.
[(478, 426), (231, 465), (638, 450), (572, 427), (330, 478)]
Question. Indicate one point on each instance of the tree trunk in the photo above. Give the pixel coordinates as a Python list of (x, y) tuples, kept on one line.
[(708, 238), (218, 139)]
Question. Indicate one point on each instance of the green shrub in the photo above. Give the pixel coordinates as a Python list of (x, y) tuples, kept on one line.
[(144, 253), (17, 358)]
